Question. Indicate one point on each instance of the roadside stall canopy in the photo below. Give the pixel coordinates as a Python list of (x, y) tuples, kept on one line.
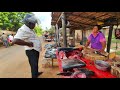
[(80, 20), (85, 21)]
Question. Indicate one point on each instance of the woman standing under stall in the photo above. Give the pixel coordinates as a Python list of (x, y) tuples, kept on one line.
[(97, 39)]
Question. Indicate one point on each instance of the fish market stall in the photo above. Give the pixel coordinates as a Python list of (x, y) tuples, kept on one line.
[(72, 64), (77, 62), (49, 55)]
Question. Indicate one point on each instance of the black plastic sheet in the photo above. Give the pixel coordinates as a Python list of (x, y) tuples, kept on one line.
[(69, 64)]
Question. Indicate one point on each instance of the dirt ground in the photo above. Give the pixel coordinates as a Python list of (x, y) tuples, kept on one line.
[(14, 64), (49, 72)]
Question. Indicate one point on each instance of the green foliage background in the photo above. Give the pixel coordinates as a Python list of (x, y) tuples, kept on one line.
[(38, 30), (11, 20)]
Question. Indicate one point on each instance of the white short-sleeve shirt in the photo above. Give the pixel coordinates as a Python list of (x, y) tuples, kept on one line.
[(28, 35)]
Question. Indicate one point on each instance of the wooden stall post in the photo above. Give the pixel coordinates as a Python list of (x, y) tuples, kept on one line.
[(57, 34), (84, 36), (73, 35), (64, 29), (109, 38)]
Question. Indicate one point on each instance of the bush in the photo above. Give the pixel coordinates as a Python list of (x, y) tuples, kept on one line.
[(38, 30)]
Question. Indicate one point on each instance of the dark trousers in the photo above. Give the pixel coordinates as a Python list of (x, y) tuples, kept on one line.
[(33, 57)]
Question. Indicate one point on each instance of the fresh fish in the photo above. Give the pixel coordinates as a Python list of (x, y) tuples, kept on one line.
[(68, 64), (87, 72), (65, 73), (78, 74)]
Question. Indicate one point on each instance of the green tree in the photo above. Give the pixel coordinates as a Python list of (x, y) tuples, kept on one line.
[(38, 30), (51, 30), (11, 20)]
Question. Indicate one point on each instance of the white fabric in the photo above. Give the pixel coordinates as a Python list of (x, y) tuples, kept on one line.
[(11, 37), (28, 35), (30, 18)]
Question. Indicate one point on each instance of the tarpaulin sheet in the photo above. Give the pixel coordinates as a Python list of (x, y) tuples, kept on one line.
[(89, 65), (98, 73)]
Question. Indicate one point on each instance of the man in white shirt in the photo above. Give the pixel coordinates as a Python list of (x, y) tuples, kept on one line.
[(26, 37)]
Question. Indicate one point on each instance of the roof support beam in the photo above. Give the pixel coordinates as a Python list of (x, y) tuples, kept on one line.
[(83, 37), (64, 29), (57, 34), (109, 38)]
